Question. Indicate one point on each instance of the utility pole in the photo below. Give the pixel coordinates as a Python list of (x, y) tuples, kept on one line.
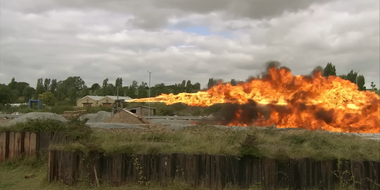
[(150, 73)]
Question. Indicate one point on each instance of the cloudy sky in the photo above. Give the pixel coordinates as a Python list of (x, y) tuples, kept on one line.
[(184, 39)]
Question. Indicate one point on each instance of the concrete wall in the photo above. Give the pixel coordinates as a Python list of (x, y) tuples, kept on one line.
[(144, 111)]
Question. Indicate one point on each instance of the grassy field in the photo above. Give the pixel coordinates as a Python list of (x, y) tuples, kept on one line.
[(201, 139), (12, 177), (205, 139)]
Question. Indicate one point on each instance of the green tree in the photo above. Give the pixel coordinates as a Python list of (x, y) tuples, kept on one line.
[(213, 82), (47, 98), (329, 70), (210, 83), (12, 84), (352, 76), (5, 94), (132, 91), (361, 82), (28, 93), (197, 87), (104, 87), (71, 89), (356, 79), (95, 89), (110, 90), (47, 84), (373, 86), (233, 82), (119, 85), (343, 77), (39, 88), (17, 89), (119, 82), (189, 87), (53, 86), (142, 90)]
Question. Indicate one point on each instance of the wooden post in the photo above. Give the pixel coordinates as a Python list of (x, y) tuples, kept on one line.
[(3, 146)]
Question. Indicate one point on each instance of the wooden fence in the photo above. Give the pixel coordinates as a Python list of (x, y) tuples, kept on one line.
[(211, 171), (14, 145)]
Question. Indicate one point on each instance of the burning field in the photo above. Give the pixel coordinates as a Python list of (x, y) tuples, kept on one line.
[(312, 102)]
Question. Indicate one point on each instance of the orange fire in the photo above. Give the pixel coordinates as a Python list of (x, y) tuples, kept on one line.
[(311, 102)]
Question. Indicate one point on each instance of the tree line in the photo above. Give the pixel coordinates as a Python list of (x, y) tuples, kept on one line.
[(69, 90)]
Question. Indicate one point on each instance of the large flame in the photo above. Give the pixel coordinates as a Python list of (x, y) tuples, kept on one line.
[(312, 102)]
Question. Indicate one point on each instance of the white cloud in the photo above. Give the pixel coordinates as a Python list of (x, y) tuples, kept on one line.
[(57, 39)]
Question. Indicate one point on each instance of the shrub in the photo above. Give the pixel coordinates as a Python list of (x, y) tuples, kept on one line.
[(77, 130), (249, 146), (37, 125)]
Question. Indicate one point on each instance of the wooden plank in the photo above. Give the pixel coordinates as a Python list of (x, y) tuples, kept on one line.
[(374, 175), (32, 144), (116, 170), (204, 171), (43, 142), (26, 144), (3, 146), (18, 145), (50, 173), (192, 170), (212, 173), (218, 171), (282, 177), (154, 168), (165, 169), (218, 176), (11, 145), (232, 170), (129, 169), (181, 172)]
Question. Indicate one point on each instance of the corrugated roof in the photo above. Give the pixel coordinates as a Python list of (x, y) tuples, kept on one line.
[(95, 97), (120, 97), (141, 107)]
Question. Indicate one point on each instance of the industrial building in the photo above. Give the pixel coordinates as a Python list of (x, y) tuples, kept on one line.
[(143, 110), (108, 101)]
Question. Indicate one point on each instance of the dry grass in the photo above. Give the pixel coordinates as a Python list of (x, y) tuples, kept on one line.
[(206, 139)]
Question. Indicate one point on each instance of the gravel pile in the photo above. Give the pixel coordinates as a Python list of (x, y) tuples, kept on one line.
[(36, 115), (96, 117)]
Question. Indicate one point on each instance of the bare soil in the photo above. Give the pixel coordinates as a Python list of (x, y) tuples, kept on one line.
[(126, 117)]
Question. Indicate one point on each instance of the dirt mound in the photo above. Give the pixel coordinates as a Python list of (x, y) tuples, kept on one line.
[(125, 116), (96, 117), (72, 114), (37, 115)]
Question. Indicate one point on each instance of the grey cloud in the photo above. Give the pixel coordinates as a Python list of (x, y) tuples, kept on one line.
[(57, 39), (151, 14)]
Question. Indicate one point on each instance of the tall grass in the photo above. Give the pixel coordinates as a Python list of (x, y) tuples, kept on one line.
[(206, 139)]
